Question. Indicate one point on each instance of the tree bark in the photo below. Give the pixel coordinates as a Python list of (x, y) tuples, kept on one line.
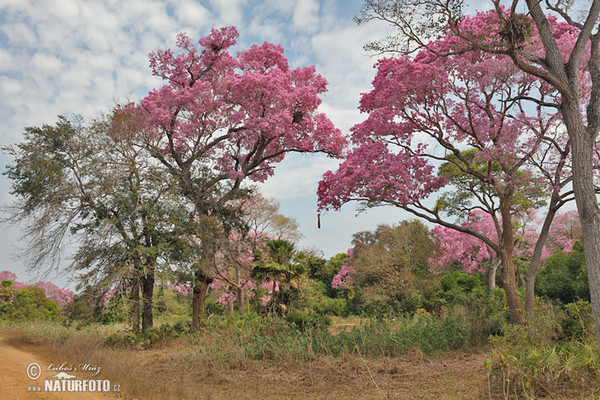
[(240, 299), (201, 283), (135, 305), (147, 299), (491, 273), (536, 260), (565, 77), (509, 281), (587, 203)]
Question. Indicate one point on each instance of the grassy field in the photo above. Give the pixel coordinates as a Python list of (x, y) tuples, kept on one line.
[(183, 368), (249, 357)]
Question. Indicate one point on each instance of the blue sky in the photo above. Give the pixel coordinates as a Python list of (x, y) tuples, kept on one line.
[(81, 56)]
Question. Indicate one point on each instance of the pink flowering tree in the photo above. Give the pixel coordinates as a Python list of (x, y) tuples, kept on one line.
[(510, 32), (221, 119), (454, 247), (466, 114), (11, 277), (473, 255), (54, 293), (344, 277), (61, 296)]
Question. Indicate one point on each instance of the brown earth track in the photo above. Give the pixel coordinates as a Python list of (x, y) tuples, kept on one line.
[(14, 381)]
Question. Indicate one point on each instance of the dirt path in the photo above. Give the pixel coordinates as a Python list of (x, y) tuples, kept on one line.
[(15, 384)]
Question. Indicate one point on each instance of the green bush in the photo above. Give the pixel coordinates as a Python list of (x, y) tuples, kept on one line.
[(564, 277), (313, 297), (457, 285), (579, 321), (146, 338), (308, 321), (28, 304), (569, 370)]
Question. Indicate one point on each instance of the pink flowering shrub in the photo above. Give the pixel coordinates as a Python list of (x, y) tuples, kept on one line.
[(344, 277)]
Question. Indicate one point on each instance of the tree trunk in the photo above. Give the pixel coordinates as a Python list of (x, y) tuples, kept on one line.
[(147, 299), (587, 204), (239, 292), (491, 273), (509, 281), (240, 299), (536, 260), (201, 283), (135, 305), (271, 305)]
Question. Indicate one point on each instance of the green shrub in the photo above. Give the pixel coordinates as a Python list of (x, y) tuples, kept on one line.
[(146, 338), (564, 277), (569, 369), (579, 321), (313, 296), (308, 321), (29, 304)]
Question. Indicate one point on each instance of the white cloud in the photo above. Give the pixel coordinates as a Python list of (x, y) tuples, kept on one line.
[(46, 64), (306, 16), (20, 35), (229, 12), (297, 176), (192, 13), (10, 88)]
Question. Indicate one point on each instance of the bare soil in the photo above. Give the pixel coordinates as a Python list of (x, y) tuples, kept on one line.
[(169, 372), (15, 383)]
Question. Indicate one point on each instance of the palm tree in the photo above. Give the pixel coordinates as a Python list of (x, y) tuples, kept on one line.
[(278, 266)]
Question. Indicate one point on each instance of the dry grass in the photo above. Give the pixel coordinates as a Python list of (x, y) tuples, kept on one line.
[(171, 371)]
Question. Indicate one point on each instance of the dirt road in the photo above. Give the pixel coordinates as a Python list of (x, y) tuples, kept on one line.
[(16, 367)]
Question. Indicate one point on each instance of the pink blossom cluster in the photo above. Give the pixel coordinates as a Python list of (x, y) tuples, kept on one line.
[(233, 105), (53, 292), (347, 273), (184, 288), (345, 276), (459, 248), (455, 247)]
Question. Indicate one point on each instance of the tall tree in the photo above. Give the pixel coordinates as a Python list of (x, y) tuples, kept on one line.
[(573, 72), (466, 111), (73, 179), (221, 119), (388, 266)]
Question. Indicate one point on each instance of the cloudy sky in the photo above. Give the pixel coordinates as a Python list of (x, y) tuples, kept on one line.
[(81, 56)]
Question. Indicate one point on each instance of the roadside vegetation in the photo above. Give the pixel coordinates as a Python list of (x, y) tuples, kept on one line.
[(439, 315)]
